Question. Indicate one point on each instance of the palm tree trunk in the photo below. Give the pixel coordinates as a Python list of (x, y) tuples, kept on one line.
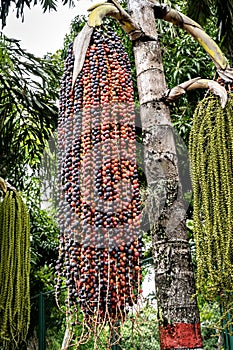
[(178, 313)]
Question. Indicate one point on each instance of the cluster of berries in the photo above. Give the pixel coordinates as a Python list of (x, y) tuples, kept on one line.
[(99, 204)]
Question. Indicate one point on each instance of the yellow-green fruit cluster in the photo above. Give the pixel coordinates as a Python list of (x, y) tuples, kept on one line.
[(211, 153), (14, 270)]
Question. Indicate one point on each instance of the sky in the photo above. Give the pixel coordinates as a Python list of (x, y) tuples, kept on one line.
[(42, 33)]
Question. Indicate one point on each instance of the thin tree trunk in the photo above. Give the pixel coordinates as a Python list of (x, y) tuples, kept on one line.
[(178, 313)]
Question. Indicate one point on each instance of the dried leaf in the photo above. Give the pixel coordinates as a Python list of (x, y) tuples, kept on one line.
[(80, 46)]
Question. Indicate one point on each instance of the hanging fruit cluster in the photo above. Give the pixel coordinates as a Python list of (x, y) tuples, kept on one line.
[(14, 270), (99, 211), (211, 155)]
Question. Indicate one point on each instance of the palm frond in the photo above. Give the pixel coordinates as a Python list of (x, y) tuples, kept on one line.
[(28, 111), (224, 13), (199, 10)]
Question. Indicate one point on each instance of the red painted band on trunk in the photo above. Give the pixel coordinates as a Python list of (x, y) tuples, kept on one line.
[(180, 336)]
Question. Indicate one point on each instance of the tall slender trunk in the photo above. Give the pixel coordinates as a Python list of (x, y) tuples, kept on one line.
[(178, 313)]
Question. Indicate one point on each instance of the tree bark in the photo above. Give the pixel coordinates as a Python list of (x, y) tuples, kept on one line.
[(178, 313), (66, 340)]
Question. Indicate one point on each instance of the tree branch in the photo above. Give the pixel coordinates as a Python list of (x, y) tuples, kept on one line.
[(163, 11), (113, 9), (196, 83)]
